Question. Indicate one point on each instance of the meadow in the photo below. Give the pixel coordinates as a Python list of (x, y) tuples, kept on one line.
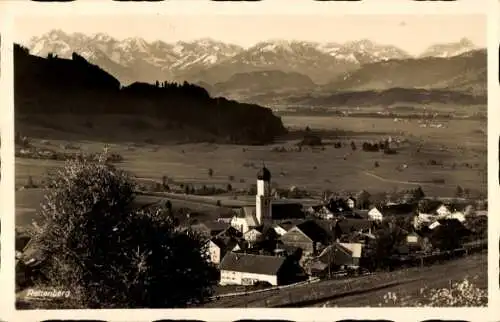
[(458, 149)]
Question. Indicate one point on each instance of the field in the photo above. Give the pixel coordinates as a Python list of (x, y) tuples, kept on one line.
[(368, 290), (459, 146)]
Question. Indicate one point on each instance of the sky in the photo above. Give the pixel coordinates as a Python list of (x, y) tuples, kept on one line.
[(413, 33)]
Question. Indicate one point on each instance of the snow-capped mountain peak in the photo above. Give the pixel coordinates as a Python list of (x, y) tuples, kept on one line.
[(141, 60), (449, 49)]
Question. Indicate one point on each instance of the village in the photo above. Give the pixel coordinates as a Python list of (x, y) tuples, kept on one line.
[(278, 242)]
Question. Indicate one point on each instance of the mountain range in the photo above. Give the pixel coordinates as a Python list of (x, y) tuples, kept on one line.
[(275, 66)]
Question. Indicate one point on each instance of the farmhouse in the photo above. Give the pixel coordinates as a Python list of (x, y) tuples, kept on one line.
[(248, 269), (253, 236), (215, 249), (375, 214), (336, 257)]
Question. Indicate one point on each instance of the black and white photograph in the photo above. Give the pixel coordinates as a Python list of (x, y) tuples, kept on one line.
[(245, 161)]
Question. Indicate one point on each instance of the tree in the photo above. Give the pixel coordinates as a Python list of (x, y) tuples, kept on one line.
[(110, 255), (30, 183), (449, 235), (363, 199), (164, 181), (168, 206), (418, 193)]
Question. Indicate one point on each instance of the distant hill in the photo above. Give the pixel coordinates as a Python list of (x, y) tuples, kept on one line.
[(466, 72), (387, 97), (263, 82), (53, 86)]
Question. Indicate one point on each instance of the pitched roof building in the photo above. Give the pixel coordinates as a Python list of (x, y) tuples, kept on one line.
[(248, 269)]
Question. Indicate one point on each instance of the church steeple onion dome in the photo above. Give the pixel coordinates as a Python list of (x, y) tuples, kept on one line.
[(264, 174)]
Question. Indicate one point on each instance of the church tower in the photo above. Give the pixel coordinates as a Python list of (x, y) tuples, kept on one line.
[(263, 198)]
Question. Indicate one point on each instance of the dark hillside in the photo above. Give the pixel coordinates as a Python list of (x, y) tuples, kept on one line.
[(52, 86)]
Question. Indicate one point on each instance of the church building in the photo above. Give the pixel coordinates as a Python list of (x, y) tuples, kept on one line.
[(261, 214)]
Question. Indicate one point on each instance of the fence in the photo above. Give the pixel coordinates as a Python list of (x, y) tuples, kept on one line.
[(300, 294)]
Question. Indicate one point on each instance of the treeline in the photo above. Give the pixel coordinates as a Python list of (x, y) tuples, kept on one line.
[(74, 86), (389, 97)]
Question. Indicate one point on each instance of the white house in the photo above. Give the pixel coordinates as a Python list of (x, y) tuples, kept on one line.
[(375, 214), (443, 211), (247, 269), (355, 248), (245, 219), (434, 225), (215, 251), (351, 202), (412, 238), (252, 236), (458, 215)]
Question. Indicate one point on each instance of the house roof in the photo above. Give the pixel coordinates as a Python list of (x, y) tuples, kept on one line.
[(219, 242), (282, 211), (252, 263), (288, 224), (211, 227), (225, 244), (336, 253), (312, 230), (398, 209), (216, 225), (430, 206), (348, 224), (361, 213)]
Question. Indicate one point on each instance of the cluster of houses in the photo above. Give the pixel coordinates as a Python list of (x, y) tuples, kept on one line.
[(278, 242)]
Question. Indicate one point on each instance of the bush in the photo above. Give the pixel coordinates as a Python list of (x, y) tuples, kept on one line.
[(461, 294), (110, 255), (311, 140)]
